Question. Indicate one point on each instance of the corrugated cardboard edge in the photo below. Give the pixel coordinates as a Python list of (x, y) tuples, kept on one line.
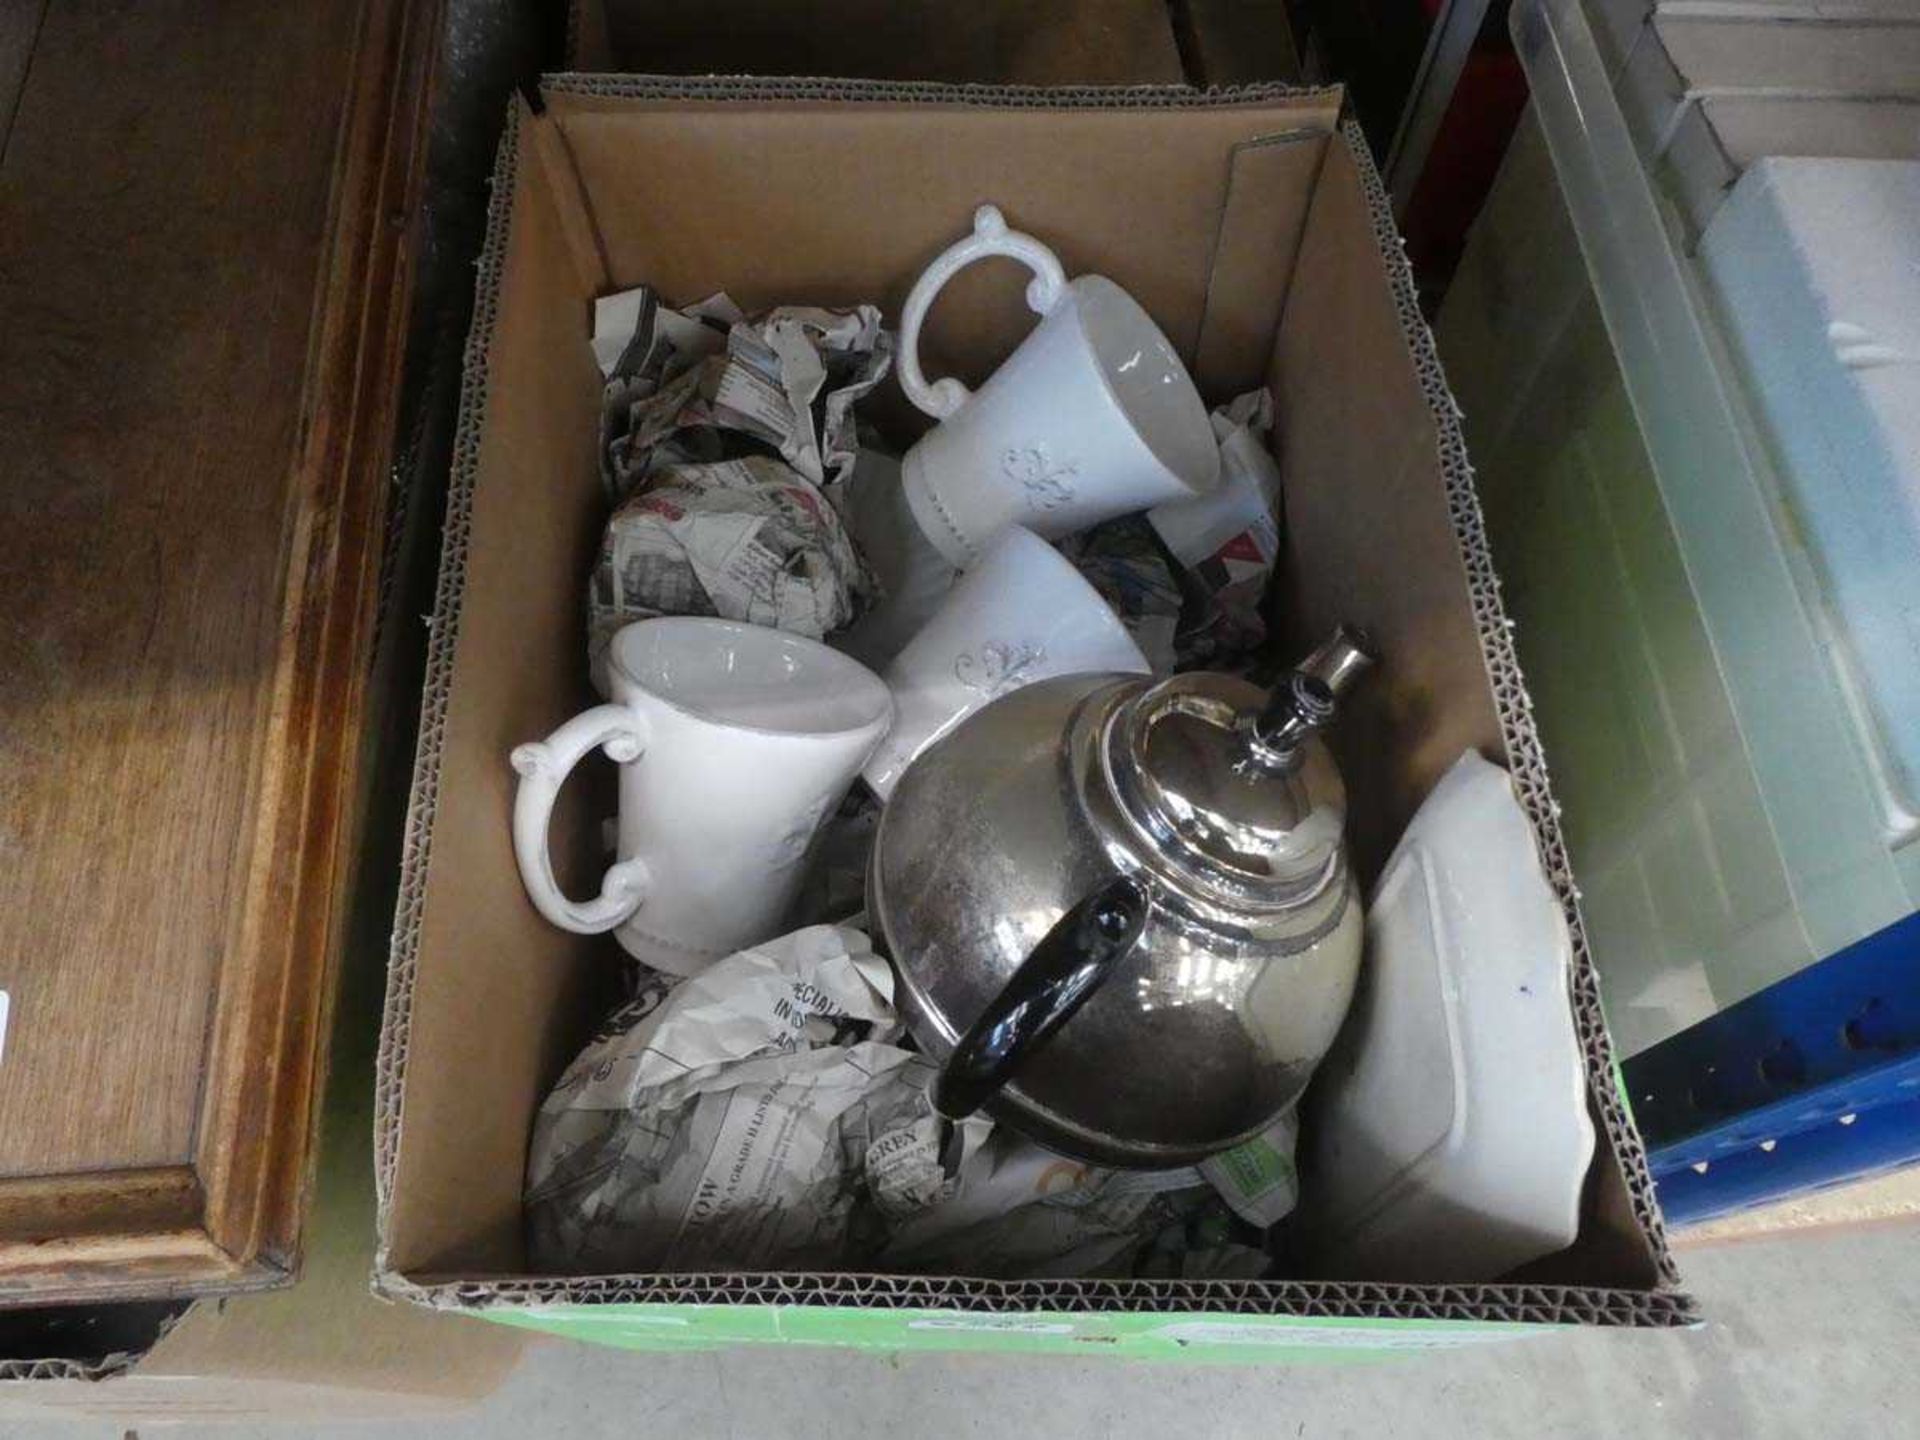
[(1526, 762), (106, 1367), (928, 92), (404, 950), (1294, 1299), (1542, 1304)]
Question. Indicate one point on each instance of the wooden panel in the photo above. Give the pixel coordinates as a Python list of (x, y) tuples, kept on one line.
[(117, 1234), (259, 1107), (141, 280), (1006, 42), (203, 213), (1236, 42), (35, 1211), (162, 1265), (19, 28)]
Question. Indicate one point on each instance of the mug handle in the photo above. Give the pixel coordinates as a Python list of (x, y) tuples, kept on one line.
[(1056, 979), (990, 237), (543, 766)]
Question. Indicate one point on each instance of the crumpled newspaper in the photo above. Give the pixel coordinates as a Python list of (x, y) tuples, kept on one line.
[(638, 340), (1123, 561), (1202, 1246), (709, 383), (974, 1198), (721, 438), (762, 1114), (747, 539), (1012, 1209), (1228, 540), (713, 1132)]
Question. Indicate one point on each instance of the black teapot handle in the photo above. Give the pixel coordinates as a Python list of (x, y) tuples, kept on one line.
[(1056, 979)]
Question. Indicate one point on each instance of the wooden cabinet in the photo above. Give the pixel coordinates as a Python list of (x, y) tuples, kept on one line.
[(204, 220), (1001, 42)]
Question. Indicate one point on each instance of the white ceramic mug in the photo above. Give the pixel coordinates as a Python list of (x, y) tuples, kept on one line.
[(1022, 614), (914, 576), (734, 743), (1092, 416)]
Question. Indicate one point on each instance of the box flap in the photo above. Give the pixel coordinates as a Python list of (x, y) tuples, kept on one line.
[(876, 188)]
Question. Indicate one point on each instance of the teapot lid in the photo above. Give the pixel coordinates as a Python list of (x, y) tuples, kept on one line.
[(1230, 786)]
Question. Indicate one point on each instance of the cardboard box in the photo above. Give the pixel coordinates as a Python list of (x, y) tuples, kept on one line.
[(1252, 225)]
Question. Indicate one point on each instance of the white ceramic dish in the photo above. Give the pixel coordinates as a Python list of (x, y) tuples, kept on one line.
[(1451, 1134)]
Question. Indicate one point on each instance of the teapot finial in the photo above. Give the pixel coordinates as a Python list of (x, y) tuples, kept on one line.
[(1305, 700), (1342, 658), (1300, 705)]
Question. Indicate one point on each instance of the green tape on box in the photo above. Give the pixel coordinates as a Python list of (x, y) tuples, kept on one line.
[(1214, 1339)]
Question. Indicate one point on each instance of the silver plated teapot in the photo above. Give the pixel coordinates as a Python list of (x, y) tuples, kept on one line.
[(1121, 911)]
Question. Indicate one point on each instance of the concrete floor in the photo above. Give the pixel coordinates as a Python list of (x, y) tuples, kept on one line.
[(1811, 1333)]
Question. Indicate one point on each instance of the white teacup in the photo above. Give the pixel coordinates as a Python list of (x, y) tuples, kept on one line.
[(734, 742), (1092, 416), (1022, 614)]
